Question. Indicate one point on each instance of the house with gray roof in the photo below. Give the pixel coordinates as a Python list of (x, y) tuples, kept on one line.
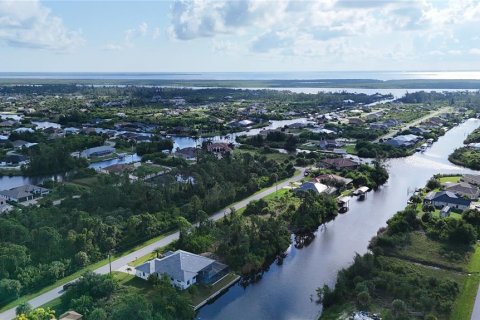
[(97, 151), (183, 269), (407, 140), (23, 193), (446, 198), (311, 186), (471, 178), (463, 189)]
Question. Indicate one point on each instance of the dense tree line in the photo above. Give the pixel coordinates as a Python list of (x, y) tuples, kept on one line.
[(273, 139), (41, 245), (366, 149), (55, 156), (154, 146)]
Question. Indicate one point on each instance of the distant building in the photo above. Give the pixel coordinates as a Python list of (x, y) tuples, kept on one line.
[(183, 269), (330, 144), (403, 140), (188, 153), (71, 315), (333, 180), (219, 148), (356, 121), (463, 189), (14, 160), (316, 187), (340, 163), (471, 178), (97, 151), (19, 144), (23, 193)]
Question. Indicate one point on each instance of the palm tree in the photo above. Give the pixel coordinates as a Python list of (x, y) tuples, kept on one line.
[(158, 252)]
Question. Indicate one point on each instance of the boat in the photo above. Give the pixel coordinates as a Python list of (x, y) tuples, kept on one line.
[(361, 192), (343, 204)]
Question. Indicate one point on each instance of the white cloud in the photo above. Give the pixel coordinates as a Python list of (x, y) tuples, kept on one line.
[(284, 26), (129, 36), (156, 33), (474, 51), (29, 24), (204, 18), (113, 47)]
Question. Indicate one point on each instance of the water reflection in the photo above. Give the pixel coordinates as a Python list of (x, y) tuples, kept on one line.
[(288, 291)]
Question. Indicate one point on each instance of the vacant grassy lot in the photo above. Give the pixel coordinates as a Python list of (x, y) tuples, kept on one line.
[(453, 179), (423, 249)]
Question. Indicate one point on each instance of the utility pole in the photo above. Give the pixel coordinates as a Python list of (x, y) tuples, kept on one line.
[(110, 261), (276, 183)]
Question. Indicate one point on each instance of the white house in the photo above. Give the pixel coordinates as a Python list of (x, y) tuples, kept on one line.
[(183, 269)]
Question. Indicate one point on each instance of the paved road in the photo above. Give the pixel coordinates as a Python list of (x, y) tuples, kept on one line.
[(118, 263), (476, 307), (415, 123)]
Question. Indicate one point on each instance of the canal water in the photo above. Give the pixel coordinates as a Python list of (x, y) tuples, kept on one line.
[(288, 291), (184, 142)]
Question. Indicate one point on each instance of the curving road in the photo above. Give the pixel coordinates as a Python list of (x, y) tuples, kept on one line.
[(120, 262)]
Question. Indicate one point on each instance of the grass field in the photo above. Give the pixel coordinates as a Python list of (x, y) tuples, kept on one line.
[(423, 249), (350, 148), (453, 179), (463, 307), (277, 156)]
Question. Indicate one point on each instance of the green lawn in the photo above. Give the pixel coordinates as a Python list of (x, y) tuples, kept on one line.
[(350, 148), (204, 292), (463, 307), (277, 156), (453, 179), (276, 194), (453, 215), (85, 182)]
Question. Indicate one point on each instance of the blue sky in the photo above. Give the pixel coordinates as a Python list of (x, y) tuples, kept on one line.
[(239, 35)]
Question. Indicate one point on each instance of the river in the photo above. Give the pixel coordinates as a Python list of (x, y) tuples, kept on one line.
[(288, 291)]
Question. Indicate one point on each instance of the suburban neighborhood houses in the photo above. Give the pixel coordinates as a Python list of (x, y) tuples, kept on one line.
[(175, 195)]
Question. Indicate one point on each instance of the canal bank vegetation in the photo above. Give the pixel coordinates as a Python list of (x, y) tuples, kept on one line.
[(466, 157), (469, 155), (41, 245), (419, 265)]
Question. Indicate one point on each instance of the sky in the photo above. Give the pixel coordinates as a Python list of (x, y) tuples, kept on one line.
[(239, 35)]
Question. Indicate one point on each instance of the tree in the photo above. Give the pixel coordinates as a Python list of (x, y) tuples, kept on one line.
[(158, 252), (132, 306), (399, 309), (23, 308), (9, 289), (81, 259), (37, 314), (97, 314), (433, 183), (363, 299)]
